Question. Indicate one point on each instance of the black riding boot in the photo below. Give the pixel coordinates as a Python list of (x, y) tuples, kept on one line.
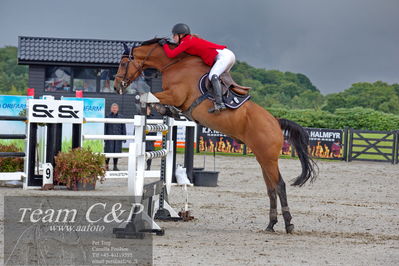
[(217, 94), (116, 164)]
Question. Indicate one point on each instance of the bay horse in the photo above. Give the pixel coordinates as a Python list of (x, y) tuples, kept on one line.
[(250, 123)]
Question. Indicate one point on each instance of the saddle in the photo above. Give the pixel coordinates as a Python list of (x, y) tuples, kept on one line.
[(228, 83), (234, 95)]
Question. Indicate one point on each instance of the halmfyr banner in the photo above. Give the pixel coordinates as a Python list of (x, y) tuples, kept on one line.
[(72, 230), (325, 143)]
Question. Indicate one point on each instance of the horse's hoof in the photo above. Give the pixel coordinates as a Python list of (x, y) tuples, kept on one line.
[(289, 228), (271, 230)]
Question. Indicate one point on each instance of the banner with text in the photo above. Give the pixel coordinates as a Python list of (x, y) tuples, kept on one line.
[(209, 140), (325, 143)]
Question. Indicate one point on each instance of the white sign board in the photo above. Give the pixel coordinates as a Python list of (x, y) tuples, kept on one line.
[(48, 172), (55, 111)]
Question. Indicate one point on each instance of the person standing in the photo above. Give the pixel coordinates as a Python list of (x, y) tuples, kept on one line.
[(114, 146)]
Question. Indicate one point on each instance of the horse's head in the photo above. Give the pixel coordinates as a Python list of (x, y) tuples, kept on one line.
[(133, 62)]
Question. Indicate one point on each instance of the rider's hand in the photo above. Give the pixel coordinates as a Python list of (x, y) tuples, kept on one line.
[(162, 42)]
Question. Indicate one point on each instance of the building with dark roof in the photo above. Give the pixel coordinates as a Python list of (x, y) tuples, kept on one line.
[(60, 66)]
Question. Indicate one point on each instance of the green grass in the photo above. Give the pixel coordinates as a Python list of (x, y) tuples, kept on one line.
[(94, 145), (385, 142), (19, 143)]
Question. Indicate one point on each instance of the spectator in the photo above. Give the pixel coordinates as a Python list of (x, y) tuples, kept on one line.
[(114, 146)]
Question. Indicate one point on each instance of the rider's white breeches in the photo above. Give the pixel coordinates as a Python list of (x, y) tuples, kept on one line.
[(224, 62)]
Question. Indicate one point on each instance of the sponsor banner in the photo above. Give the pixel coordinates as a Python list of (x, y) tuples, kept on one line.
[(92, 108), (209, 140), (325, 143), (13, 106), (55, 111), (16, 106)]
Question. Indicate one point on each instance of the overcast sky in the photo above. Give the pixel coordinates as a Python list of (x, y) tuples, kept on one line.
[(334, 42)]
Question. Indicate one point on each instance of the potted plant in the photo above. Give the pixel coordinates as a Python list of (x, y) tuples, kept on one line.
[(79, 169)]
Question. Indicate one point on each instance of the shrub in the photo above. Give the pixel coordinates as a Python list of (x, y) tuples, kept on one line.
[(11, 164), (356, 118), (79, 165)]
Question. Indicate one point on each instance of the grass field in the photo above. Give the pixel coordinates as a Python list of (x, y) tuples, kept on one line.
[(95, 145), (19, 143), (384, 146)]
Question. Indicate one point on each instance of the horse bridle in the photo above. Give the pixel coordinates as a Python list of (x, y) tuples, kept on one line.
[(139, 68)]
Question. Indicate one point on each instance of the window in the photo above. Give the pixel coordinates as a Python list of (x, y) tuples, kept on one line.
[(89, 80), (107, 77), (57, 79), (85, 79)]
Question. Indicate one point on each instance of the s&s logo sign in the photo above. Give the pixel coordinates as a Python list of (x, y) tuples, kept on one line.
[(55, 111), (67, 111), (41, 110)]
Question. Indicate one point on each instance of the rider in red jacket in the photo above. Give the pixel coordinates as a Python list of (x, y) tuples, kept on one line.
[(217, 56)]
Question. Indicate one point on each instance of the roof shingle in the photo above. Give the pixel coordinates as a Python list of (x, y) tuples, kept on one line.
[(61, 50)]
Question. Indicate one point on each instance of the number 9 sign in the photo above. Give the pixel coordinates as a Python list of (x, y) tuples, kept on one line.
[(47, 174)]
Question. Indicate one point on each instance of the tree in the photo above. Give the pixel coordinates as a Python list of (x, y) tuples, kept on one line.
[(308, 100), (272, 88), (379, 96), (13, 77)]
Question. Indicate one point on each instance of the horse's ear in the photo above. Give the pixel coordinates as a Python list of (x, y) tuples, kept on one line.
[(126, 48)]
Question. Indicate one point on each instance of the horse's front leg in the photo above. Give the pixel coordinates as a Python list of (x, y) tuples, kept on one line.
[(166, 97)]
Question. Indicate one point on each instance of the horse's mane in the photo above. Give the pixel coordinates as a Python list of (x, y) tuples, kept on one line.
[(154, 40)]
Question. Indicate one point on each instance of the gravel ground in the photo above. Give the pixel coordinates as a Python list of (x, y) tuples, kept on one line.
[(348, 216)]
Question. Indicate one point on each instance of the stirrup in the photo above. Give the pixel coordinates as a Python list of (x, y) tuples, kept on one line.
[(217, 108)]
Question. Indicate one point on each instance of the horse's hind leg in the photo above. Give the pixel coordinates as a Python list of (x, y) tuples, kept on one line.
[(268, 174), (273, 209), (276, 186), (271, 192), (281, 191)]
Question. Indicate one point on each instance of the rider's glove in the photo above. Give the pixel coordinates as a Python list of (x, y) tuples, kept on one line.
[(162, 42)]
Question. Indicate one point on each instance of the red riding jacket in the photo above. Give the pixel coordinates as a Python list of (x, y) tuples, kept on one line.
[(195, 46)]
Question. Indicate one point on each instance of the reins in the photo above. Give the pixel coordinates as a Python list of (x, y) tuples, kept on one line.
[(139, 68), (171, 63)]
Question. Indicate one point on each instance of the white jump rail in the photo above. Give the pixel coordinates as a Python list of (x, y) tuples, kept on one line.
[(108, 137), (109, 120), (137, 154)]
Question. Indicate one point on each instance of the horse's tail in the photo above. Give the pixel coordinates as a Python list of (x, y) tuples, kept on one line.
[(299, 138)]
